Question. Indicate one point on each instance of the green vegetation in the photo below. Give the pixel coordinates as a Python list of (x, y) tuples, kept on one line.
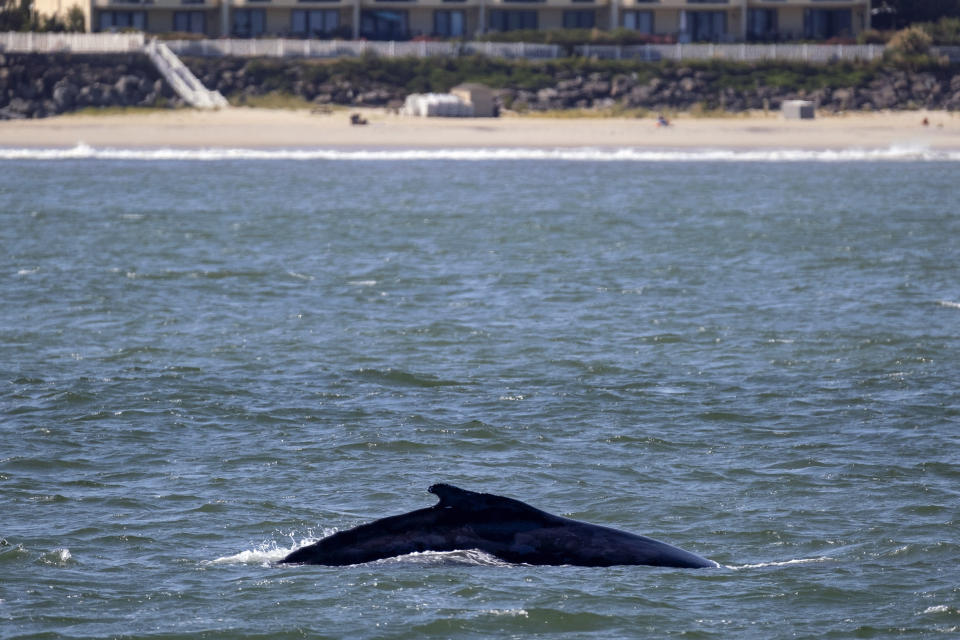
[(110, 111), (944, 32), (909, 42), (16, 16), (787, 75), (19, 15), (898, 14), (910, 49), (274, 100)]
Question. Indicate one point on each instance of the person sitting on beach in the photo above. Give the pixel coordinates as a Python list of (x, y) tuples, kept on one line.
[(662, 121)]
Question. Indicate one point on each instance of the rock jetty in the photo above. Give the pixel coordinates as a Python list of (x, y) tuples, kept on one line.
[(34, 86), (655, 88), (39, 85)]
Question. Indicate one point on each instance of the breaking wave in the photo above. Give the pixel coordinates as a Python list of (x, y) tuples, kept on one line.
[(896, 153)]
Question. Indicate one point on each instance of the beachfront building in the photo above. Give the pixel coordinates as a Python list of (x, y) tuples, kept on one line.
[(680, 20)]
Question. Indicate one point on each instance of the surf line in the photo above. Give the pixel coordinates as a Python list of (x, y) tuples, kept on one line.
[(625, 154)]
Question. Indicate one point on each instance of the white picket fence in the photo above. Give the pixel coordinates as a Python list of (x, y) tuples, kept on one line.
[(287, 48), (30, 42), (953, 53), (290, 48), (816, 53)]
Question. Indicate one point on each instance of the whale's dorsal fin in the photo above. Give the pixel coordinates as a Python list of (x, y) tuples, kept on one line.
[(452, 497)]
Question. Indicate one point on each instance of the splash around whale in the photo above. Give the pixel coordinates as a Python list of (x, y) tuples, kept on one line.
[(503, 527)]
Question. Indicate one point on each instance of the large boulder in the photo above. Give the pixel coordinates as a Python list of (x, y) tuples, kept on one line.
[(127, 89), (22, 107), (65, 95)]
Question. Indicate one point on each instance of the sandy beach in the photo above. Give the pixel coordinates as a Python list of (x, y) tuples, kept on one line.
[(274, 128)]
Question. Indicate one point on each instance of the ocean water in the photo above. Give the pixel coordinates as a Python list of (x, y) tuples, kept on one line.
[(208, 359)]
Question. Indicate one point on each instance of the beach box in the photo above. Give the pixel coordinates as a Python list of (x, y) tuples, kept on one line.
[(797, 109), (479, 96), (436, 105)]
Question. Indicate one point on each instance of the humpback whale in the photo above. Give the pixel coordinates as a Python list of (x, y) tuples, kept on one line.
[(503, 527)]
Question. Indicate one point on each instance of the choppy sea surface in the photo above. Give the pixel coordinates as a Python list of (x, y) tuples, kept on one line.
[(208, 359)]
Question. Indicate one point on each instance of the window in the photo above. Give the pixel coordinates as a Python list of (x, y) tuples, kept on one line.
[(116, 20), (822, 24), (579, 19), (449, 23), (189, 21), (502, 20), (761, 24), (641, 21), (707, 26), (249, 23), (314, 22), (384, 24)]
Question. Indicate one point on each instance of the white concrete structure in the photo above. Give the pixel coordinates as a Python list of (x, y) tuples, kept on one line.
[(434, 105)]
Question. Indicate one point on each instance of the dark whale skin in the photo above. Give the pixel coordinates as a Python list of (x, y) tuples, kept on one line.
[(503, 527)]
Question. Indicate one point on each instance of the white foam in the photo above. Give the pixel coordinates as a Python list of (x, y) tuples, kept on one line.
[(939, 608), (299, 276), (583, 154), (58, 557), (783, 563), (521, 613), (254, 556), (949, 303), (270, 552)]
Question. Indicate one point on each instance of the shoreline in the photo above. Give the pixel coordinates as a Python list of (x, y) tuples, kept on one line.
[(263, 129)]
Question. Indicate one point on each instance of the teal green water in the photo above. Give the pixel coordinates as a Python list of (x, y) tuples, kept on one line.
[(207, 363)]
